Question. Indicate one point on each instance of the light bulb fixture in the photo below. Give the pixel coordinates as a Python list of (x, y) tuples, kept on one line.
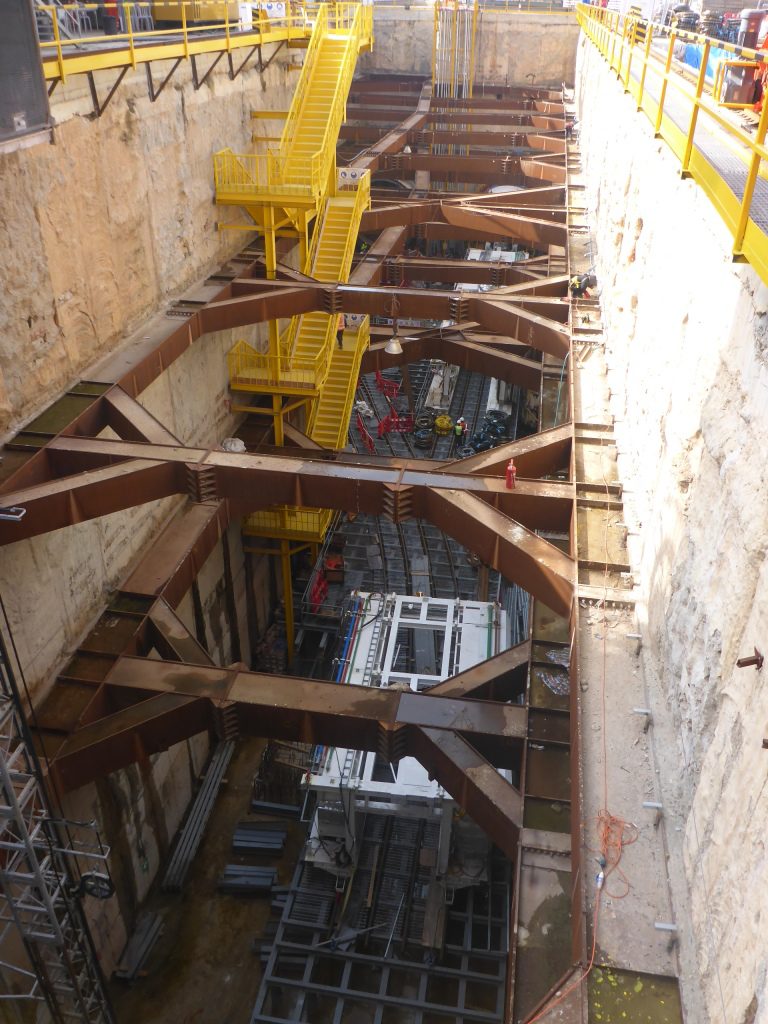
[(393, 346)]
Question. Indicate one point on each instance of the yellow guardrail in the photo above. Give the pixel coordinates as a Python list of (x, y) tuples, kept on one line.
[(357, 21), (362, 341), (257, 177), (362, 189), (305, 79), (289, 522), (698, 127), (250, 370), (70, 53), (238, 177)]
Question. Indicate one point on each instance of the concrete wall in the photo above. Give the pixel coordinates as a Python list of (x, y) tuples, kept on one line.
[(687, 347), (511, 45), (115, 218)]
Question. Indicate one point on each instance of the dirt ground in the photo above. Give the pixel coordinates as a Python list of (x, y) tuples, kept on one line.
[(203, 969)]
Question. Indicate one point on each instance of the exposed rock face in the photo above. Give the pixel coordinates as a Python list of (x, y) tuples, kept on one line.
[(512, 48), (103, 227), (688, 371)]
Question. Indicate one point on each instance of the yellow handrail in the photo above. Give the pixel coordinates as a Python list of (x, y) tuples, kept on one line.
[(646, 73), (308, 69), (63, 57), (250, 370)]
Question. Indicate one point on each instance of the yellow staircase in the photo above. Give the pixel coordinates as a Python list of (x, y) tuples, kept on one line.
[(296, 177), (286, 189), (301, 366), (329, 420)]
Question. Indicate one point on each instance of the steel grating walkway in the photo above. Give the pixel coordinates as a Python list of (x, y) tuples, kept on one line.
[(709, 144)]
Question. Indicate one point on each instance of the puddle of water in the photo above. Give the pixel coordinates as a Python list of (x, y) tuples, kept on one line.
[(622, 997), (550, 688)]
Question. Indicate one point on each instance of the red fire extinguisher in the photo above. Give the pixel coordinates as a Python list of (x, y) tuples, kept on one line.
[(511, 474)]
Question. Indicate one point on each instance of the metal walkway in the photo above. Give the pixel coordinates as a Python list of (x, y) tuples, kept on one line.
[(724, 159)]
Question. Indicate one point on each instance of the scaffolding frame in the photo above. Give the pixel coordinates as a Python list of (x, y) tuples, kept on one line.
[(39, 899)]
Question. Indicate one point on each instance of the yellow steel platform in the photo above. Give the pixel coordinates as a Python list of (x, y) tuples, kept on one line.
[(62, 57)]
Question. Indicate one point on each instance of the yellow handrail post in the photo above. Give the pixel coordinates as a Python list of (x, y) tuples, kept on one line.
[(285, 561), (749, 184), (646, 55), (614, 37), (57, 40), (184, 32), (226, 28), (129, 26), (664, 80), (695, 112), (630, 30)]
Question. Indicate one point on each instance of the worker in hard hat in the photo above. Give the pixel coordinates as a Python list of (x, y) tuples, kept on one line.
[(580, 284)]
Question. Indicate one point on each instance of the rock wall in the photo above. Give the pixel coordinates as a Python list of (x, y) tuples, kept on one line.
[(117, 216), (687, 347), (513, 48)]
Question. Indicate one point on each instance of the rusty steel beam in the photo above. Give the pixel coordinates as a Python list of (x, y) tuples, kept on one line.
[(491, 224), (490, 680), (177, 556), (493, 803), (125, 737), (312, 710), (497, 142), (151, 704), (458, 351), (369, 114), (538, 455), (369, 270), (131, 421), (481, 221), (527, 327), (499, 100), (539, 170), (549, 196), (89, 495), (251, 482), (460, 272), (494, 315), (511, 118), (518, 554), (479, 169)]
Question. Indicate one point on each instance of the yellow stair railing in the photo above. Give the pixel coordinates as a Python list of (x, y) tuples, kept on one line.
[(291, 174), (331, 413)]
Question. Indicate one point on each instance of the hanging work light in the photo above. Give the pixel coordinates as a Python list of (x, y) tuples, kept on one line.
[(393, 346)]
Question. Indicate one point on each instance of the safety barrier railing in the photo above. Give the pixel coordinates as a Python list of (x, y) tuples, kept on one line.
[(702, 136), (325, 155), (362, 341), (251, 176), (240, 176), (512, 6), (289, 522), (71, 44), (303, 86), (257, 371)]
